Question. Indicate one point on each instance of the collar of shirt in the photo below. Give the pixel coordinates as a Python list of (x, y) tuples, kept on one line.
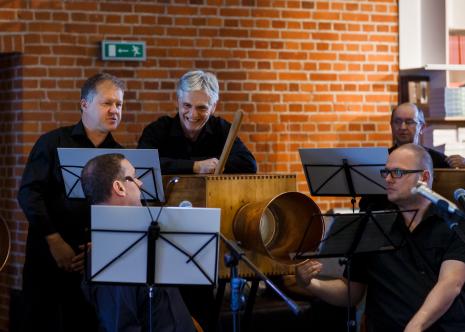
[(79, 132), (176, 130)]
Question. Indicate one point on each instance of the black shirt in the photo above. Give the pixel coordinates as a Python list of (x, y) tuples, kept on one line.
[(399, 281), (123, 308), (178, 153), (42, 195), (53, 300)]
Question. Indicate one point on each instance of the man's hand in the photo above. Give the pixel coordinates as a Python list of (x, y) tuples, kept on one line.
[(61, 251), (306, 271), (456, 161), (78, 261), (207, 166)]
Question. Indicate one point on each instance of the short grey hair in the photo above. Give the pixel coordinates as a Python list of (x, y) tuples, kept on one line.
[(89, 88), (198, 80)]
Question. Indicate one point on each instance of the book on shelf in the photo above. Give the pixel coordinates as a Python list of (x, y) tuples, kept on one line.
[(457, 49)]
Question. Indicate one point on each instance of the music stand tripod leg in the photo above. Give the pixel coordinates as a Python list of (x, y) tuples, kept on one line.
[(246, 319), (237, 284)]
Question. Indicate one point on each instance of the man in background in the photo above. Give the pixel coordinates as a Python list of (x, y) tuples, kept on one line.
[(192, 141), (407, 126), (53, 300)]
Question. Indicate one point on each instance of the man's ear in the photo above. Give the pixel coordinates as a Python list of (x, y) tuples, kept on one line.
[(426, 177), (422, 129), (119, 189), (83, 104)]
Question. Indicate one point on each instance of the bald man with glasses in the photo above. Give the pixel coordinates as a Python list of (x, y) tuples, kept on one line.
[(417, 287), (407, 126)]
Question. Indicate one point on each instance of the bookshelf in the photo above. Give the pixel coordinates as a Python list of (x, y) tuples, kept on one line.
[(431, 59)]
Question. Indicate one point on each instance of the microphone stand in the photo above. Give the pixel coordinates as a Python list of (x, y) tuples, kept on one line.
[(451, 218), (237, 284)]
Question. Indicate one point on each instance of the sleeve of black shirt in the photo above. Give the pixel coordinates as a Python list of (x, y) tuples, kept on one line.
[(34, 185), (240, 159)]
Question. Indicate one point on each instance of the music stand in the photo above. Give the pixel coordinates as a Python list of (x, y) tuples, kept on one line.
[(344, 171), (186, 251), (179, 247), (357, 233), (145, 161)]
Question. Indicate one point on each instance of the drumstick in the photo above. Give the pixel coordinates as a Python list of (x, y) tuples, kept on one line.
[(229, 141)]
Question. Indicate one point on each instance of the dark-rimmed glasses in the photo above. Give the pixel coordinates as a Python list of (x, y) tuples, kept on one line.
[(408, 122), (397, 172), (131, 179)]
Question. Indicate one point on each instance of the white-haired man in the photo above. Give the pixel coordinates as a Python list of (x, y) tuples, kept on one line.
[(192, 141)]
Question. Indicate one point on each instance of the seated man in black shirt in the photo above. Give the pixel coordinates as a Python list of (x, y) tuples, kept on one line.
[(110, 179), (192, 140), (417, 287), (407, 126)]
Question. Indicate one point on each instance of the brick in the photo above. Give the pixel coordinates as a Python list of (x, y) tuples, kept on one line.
[(114, 29), (116, 7), (327, 16), (80, 28), (354, 37), (355, 17), (352, 57), (323, 77), (234, 12), (325, 36), (349, 98)]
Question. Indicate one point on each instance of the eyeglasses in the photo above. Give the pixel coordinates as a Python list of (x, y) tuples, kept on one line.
[(397, 172), (408, 122), (131, 179)]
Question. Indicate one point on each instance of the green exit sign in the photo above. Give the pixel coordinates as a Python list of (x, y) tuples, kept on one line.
[(124, 51)]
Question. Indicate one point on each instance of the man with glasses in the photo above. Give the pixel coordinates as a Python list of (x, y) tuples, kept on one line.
[(110, 179), (192, 141), (407, 126), (416, 287)]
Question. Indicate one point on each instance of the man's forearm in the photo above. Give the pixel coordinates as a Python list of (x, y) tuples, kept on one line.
[(438, 301), (331, 291)]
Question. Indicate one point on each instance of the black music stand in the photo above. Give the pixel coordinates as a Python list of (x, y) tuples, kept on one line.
[(179, 247), (344, 171), (145, 161), (352, 234)]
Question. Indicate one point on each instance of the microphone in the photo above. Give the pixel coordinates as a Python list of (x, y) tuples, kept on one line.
[(459, 196), (447, 209)]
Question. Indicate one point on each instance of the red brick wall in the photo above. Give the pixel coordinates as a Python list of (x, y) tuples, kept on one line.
[(307, 73)]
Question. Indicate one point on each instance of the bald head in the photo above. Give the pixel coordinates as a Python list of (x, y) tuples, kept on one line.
[(407, 124)]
